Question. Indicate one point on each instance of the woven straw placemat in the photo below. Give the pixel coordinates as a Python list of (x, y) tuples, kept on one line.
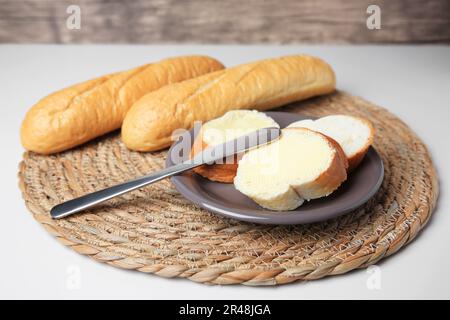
[(155, 230)]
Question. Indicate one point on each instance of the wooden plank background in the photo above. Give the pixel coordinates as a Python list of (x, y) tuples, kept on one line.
[(225, 21)]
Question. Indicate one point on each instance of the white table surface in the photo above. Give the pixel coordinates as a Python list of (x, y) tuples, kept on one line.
[(411, 81)]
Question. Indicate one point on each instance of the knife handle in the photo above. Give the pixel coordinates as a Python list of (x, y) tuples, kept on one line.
[(84, 202)]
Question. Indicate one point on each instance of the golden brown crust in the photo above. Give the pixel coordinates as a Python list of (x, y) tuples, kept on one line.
[(260, 85), (224, 173), (356, 159), (77, 114)]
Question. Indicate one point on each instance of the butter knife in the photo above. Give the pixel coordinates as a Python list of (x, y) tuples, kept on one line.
[(208, 156)]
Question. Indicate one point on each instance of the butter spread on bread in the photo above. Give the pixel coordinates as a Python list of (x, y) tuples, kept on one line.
[(230, 126), (301, 165), (77, 114), (261, 85), (355, 135)]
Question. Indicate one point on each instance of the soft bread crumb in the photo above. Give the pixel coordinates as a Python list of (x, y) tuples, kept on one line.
[(233, 124), (354, 135)]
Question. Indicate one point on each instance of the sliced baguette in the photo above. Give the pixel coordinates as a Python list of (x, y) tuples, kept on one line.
[(301, 165), (355, 135), (228, 127)]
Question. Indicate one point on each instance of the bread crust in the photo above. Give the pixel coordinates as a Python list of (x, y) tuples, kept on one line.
[(224, 173), (74, 115), (261, 85)]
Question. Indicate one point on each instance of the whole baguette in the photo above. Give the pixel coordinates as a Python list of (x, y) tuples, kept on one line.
[(260, 85), (77, 114)]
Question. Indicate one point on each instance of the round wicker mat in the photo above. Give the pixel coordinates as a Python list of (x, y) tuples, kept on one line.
[(155, 230)]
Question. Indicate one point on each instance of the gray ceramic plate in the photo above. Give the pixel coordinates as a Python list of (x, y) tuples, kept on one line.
[(225, 200)]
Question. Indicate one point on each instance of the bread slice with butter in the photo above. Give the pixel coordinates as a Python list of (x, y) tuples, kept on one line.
[(301, 165), (355, 135), (231, 125)]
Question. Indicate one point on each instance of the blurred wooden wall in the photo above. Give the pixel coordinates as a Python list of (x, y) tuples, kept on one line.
[(225, 21)]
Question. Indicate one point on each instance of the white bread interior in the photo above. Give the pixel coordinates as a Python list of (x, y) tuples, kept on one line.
[(233, 124), (301, 165), (355, 135), (230, 126)]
